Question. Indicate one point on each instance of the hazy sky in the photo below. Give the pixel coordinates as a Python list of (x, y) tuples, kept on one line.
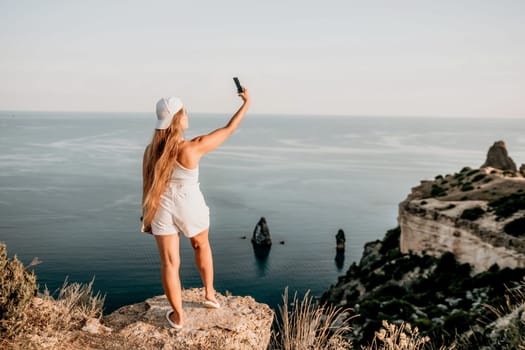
[(391, 57)]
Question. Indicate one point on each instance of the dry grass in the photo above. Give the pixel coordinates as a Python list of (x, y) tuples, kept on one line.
[(514, 298), (514, 305), (310, 326), (402, 337), (50, 321), (17, 288), (79, 300)]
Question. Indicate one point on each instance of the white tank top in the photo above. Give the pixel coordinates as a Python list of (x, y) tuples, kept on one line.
[(185, 176)]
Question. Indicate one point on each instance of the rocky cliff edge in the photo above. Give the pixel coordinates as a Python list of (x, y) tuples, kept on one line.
[(240, 323)]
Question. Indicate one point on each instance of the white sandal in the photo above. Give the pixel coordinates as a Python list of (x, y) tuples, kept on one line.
[(172, 324), (212, 304)]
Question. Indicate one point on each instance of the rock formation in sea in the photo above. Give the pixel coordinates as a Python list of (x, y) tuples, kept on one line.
[(261, 234), (340, 240), (459, 246), (497, 157)]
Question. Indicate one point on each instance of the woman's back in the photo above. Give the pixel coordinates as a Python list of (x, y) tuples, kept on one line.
[(183, 175)]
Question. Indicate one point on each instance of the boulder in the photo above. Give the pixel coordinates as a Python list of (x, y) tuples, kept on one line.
[(261, 234), (240, 323), (92, 325), (497, 157), (340, 240)]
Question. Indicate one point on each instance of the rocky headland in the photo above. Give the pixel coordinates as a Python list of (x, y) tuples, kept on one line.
[(474, 214), (451, 264)]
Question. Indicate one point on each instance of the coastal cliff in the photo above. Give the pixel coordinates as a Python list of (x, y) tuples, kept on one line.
[(462, 214), (451, 264)]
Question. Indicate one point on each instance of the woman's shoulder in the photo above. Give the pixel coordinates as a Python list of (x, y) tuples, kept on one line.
[(188, 145), (188, 155)]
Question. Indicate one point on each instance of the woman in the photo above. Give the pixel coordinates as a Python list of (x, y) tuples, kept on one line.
[(172, 201)]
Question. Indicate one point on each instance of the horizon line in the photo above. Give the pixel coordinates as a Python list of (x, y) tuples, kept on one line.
[(272, 114)]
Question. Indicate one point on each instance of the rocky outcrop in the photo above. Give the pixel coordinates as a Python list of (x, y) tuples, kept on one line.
[(261, 234), (240, 323), (497, 157), (340, 240), (460, 213), (433, 229)]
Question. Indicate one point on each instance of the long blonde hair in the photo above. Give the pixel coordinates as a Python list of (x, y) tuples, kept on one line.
[(159, 159)]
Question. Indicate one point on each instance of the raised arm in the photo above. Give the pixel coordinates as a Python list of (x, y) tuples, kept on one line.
[(207, 143)]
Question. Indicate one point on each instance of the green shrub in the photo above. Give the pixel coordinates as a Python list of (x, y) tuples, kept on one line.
[(439, 177), (516, 227), (472, 172), (472, 213), (17, 288), (459, 322), (459, 176), (391, 240), (369, 307), (487, 180), (467, 187), (465, 169), (423, 323), (478, 177), (400, 308), (393, 254), (388, 292), (373, 280), (508, 205), (417, 299), (447, 262), (509, 173), (437, 191)]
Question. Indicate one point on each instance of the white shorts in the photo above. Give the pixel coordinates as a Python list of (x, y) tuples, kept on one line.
[(182, 209)]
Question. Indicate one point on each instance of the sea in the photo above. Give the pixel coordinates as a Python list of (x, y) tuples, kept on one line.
[(71, 186)]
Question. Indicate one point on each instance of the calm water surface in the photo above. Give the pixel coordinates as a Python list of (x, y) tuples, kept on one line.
[(70, 189)]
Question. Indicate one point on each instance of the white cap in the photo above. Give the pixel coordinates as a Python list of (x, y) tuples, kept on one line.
[(167, 107)]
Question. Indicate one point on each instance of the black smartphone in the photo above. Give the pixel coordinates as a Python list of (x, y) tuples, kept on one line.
[(238, 84)]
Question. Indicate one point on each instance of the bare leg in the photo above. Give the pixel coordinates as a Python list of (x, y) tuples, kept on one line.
[(204, 260), (170, 262)]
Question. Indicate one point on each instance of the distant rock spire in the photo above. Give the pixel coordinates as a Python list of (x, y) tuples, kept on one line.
[(340, 240), (497, 157), (261, 234)]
